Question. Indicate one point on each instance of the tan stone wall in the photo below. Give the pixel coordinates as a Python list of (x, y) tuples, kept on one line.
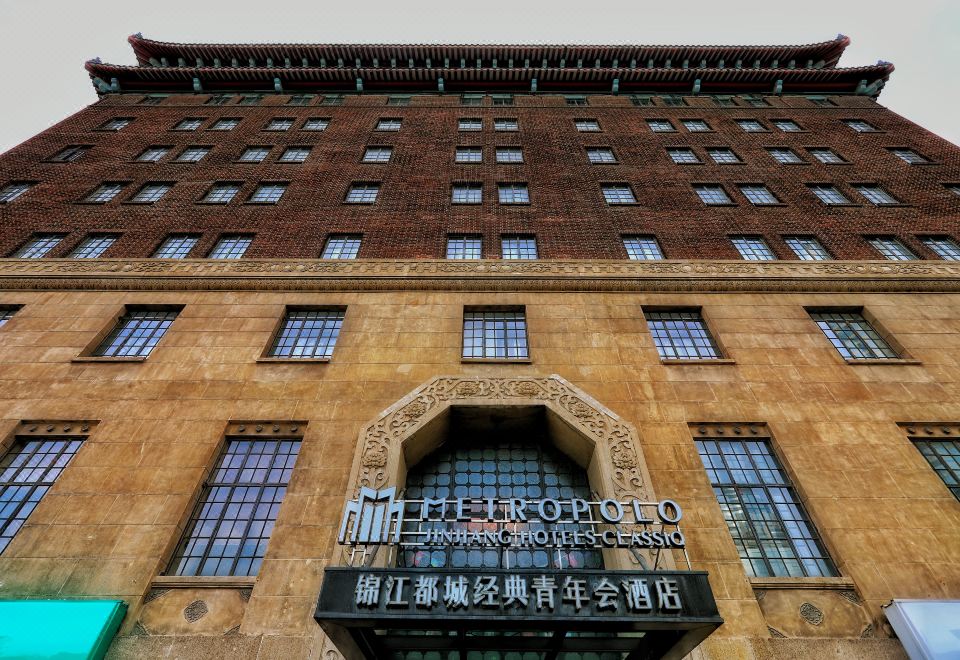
[(108, 526)]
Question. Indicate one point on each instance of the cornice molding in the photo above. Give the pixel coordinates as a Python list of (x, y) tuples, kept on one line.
[(487, 275)]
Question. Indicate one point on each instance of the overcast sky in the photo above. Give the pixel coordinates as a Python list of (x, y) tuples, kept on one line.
[(44, 43)]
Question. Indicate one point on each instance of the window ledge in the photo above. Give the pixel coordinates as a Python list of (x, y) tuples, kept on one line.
[(203, 582), (97, 358), (839, 583), (698, 361), (882, 361), (496, 360), (291, 359), (769, 204), (840, 206), (133, 203), (260, 203)]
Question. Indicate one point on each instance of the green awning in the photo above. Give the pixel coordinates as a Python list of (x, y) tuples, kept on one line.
[(61, 629)]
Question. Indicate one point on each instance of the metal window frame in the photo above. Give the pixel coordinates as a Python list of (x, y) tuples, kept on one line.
[(307, 333), (854, 335), (337, 245), (495, 328), (642, 247), (136, 332), (92, 246), (681, 333)]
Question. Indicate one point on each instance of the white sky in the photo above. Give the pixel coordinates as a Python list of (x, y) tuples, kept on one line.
[(44, 43)]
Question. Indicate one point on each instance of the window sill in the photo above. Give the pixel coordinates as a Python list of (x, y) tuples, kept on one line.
[(698, 361), (496, 361), (132, 203), (771, 204), (840, 206), (882, 361), (203, 582), (720, 205), (839, 583), (260, 203), (94, 358), (292, 360)]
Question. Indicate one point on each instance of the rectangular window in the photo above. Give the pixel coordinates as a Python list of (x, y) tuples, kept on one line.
[(250, 99), (807, 248), (505, 125), (254, 154), (294, 155), (279, 124), (513, 193), (237, 509), (230, 246), (767, 520), (753, 248), (784, 155), (509, 155), (219, 99), (342, 246), (601, 155), (221, 193), (661, 126), (7, 312), (891, 248), (755, 101), (587, 125), (193, 154), (13, 190), (316, 124), (470, 124), (137, 333), (332, 99), (908, 156), (673, 100), (723, 156), (641, 99), (153, 99), (853, 336), (945, 247), (398, 99), (27, 472), (642, 248), (682, 155), (176, 246), (38, 246), (362, 193), (787, 125), (828, 194), (471, 99), (93, 246), (466, 193), (70, 154), (497, 335), (300, 99), (751, 126), (696, 125), (712, 194), (825, 155), (189, 124), (758, 195), (464, 246), (618, 193), (469, 155), (501, 99), (226, 124), (104, 193), (116, 124), (389, 124), (307, 333), (681, 335), (876, 195), (860, 126), (953, 187), (377, 154), (150, 193), (575, 99), (821, 101), (267, 193), (514, 246), (725, 101), (944, 457)]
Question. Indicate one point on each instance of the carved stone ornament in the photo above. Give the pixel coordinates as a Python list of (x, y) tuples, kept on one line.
[(195, 611), (811, 614), (616, 440)]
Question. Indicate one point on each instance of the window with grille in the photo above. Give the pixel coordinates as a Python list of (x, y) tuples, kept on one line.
[(876, 195), (944, 457), (787, 125), (821, 101), (764, 514), (891, 248), (784, 155), (153, 154), (104, 193), (509, 155), (27, 472), (725, 101), (136, 333), (513, 193), (502, 99), (641, 99), (70, 154), (908, 156), (189, 124), (254, 154), (756, 101), (464, 246), (230, 246), (227, 124), (696, 125), (827, 156), (150, 193), (577, 99), (753, 248), (469, 155), (389, 124), (712, 194), (362, 193), (807, 248), (342, 246), (723, 156), (219, 99), (945, 247), (661, 126), (601, 155), (495, 335), (587, 125), (300, 99), (268, 193), (116, 124), (377, 154), (618, 193), (853, 336), (307, 333), (93, 246), (316, 124), (758, 195), (237, 509), (682, 155), (332, 99), (193, 154), (518, 247), (506, 125), (279, 124), (294, 155), (398, 99), (681, 335), (471, 99), (250, 99), (673, 100), (38, 246), (642, 248), (153, 99), (7, 312), (467, 193), (13, 190), (751, 126), (221, 193), (176, 246), (470, 124), (828, 194), (860, 126)]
